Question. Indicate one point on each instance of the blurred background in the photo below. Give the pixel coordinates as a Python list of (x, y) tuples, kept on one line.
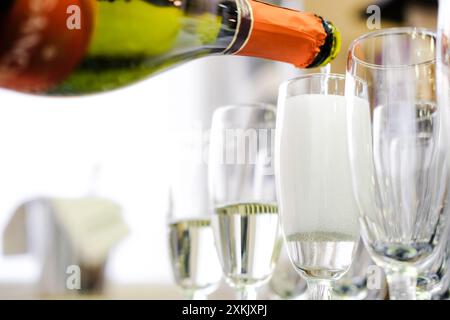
[(108, 158)]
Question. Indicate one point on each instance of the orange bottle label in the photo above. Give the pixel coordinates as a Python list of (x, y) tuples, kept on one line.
[(43, 41), (283, 35)]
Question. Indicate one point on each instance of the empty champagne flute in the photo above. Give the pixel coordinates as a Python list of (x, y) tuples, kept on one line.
[(195, 265), (318, 213), (442, 274), (443, 65), (245, 220), (400, 175)]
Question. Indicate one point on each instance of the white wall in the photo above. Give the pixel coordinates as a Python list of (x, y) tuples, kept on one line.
[(49, 147)]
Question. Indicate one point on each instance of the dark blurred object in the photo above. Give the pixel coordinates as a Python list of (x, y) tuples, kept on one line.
[(395, 10), (5, 5), (93, 278)]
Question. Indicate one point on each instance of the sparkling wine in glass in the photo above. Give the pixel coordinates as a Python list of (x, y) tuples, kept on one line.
[(195, 264), (243, 233), (193, 256), (319, 216), (245, 218)]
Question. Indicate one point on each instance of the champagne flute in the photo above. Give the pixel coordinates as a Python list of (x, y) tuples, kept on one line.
[(318, 213), (400, 175), (195, 265), (443, 64), (245, 221), (443, 97)]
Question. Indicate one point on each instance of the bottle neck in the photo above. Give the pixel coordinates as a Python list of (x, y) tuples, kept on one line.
[(243, 28), (281, 34)]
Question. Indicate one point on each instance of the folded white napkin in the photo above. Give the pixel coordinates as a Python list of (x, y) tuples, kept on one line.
[(91, 226)]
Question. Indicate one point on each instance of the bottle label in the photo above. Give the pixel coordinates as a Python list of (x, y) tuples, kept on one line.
[(282, 34), (43, 41)]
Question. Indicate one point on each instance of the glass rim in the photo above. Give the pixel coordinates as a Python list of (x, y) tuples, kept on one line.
[(391, 31), (338, 76), (254, 105)]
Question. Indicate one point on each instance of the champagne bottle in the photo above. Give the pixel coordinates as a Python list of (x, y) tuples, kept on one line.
[(75, 47)]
